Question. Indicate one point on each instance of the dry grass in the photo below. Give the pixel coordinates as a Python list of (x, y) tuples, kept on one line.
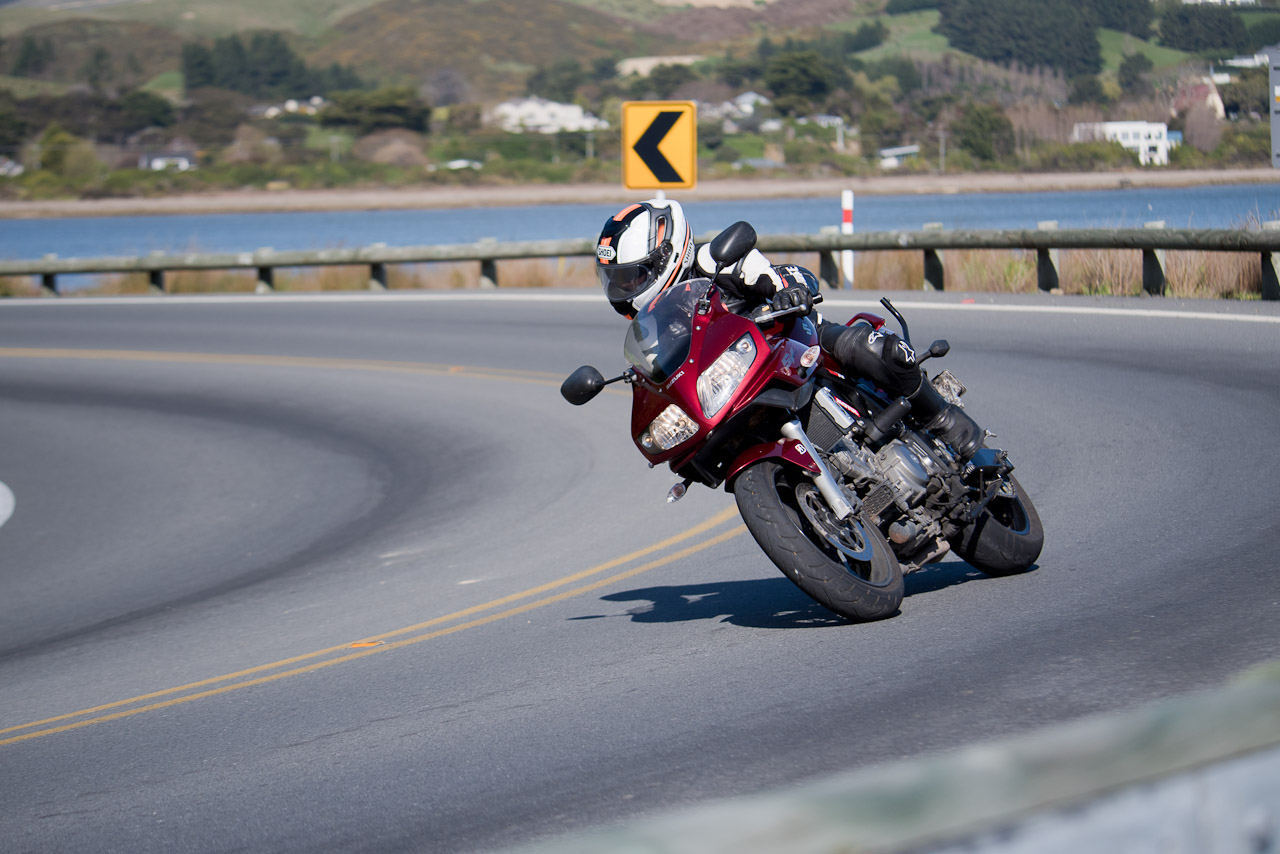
[(18, 286)]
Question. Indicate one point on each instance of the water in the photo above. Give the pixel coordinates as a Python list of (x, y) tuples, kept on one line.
[(1221, 206)]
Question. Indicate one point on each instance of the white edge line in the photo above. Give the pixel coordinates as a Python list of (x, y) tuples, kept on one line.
[(7, 503), (525, 296)]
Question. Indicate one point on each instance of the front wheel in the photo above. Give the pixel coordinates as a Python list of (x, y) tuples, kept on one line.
[(845, 566), (1007, 537)]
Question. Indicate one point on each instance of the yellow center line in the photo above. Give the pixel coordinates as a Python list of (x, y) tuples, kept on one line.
[(533, 377), (320, 665)]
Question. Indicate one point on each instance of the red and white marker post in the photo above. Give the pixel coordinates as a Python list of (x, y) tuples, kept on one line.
[(846, 227)]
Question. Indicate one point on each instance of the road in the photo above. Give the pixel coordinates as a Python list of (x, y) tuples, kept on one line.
[(299, 574)]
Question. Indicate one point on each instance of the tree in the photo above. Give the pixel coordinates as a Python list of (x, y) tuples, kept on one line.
[(1132, 74), (985, 132), (558, 81), (382, 109), (143, 109), (1128, 16), (664, 80), (1033, 33), (197, 66), (231, 65), (1202, 28), (1086, 90), (801, 73), (98, 68), (13, 127), (34, 56), (273, 69)]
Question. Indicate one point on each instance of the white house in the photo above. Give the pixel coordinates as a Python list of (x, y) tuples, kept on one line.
[(892, 158), (542, 116), (1149, 140)]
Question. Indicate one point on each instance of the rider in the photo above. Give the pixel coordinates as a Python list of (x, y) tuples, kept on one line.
[(647, 247)]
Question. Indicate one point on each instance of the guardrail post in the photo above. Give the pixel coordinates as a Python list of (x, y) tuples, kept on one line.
[(49, 281), (1047, 261), (934, 278), (488, 266), (1271, 267), (1153, 281), (377, 277), (828, 271), (266, 273)]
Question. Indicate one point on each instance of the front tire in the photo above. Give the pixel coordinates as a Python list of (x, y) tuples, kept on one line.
[(1007, 538), (846, 566)]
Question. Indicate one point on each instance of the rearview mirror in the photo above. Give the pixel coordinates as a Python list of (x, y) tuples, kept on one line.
[(582, 385), (732, 245)]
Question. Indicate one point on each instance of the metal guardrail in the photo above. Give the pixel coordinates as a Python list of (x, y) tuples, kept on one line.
[(1195, 773), (1046, 243)]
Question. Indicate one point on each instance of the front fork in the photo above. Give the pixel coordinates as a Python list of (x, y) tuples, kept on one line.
[(827, 485)]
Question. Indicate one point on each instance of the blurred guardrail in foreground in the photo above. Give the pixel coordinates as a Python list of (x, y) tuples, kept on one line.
[(1046, 242), (1198, 774)]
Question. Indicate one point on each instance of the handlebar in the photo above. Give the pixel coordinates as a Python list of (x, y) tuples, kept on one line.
[(768, 317)]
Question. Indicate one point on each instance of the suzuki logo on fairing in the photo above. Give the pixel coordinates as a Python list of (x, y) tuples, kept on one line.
[(672, 381)]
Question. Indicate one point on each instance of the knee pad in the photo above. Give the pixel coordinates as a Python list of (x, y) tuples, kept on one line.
[(881, 357)]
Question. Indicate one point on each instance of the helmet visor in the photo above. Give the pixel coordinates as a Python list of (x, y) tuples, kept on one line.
[(624, 282)]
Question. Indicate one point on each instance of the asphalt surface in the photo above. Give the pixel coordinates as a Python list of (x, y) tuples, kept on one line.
[(286, 574)]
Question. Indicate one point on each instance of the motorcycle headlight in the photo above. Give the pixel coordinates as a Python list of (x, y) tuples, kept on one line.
[(718, 382), (669, 429)]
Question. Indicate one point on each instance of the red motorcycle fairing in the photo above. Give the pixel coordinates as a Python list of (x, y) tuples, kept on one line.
[(778, 351), (788, 450)]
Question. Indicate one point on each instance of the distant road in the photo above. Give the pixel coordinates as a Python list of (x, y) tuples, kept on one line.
[(531, 194)]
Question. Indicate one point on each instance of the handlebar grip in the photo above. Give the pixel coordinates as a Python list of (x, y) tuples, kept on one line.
[(771, 316)]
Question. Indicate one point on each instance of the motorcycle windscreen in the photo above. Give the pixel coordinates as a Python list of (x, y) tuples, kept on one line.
[(657, 341)]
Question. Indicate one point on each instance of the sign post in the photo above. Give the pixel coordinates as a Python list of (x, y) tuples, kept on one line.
[(659, 145)]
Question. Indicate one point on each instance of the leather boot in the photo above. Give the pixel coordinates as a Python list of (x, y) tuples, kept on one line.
[(950, 423)]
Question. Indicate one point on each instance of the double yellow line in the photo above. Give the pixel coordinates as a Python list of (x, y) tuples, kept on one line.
[(468, 618), (458, 621)]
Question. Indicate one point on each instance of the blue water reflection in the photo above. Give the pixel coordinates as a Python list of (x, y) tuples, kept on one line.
[(1221, 206)]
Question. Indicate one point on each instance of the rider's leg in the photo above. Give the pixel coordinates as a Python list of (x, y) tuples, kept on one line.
[(890, 363)]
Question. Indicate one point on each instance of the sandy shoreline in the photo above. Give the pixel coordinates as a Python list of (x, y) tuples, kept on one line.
[(258, 201)]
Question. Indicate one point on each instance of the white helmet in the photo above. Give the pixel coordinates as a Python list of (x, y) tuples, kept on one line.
[(645, 248)]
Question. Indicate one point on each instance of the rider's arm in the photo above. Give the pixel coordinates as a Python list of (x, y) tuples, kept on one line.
[(752, 279)]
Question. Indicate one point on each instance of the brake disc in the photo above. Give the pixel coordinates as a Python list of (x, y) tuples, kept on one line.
[(847, 536)]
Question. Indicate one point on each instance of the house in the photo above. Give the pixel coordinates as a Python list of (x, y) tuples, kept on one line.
[(1149, 140), (892, 158), (10, 168), (179, 161), (539, 115), (1200, 92)]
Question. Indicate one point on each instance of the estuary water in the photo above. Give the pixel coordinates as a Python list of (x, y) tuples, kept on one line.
[(1218, 206)]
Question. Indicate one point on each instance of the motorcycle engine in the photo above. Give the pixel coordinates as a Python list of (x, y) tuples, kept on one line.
[(907, 467), (904, 471)]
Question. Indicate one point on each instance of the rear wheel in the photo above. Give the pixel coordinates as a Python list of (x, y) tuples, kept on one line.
[(846, 566), (1006, 539)]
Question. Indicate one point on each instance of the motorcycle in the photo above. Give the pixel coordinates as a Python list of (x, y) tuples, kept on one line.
[(838, 484)]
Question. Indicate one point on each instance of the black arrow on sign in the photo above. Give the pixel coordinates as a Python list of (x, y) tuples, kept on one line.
[(647, 147)]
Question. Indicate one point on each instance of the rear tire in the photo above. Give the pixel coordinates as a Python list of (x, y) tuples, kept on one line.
[(1007, 538), (846, 567)]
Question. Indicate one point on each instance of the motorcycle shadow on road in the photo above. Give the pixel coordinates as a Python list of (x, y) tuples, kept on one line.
[(762, 603)]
